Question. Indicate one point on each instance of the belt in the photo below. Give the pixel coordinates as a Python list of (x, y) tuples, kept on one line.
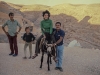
[(59, 45)]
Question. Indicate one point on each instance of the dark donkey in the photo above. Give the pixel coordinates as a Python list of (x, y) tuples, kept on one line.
[(49, 49)]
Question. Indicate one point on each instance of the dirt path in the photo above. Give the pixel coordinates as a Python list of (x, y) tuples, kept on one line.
[(77, 61)]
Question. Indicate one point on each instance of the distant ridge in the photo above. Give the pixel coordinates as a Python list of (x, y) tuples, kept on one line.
[(80, 22)]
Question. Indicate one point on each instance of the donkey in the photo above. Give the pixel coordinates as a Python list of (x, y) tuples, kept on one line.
[(49, 49)]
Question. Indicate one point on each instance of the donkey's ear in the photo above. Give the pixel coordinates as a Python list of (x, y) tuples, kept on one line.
[(47, 46)]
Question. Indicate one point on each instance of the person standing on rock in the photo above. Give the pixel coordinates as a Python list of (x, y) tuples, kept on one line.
[(12, 33), (59, 36)]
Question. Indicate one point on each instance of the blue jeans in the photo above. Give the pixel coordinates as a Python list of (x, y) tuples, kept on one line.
[(59, 55)]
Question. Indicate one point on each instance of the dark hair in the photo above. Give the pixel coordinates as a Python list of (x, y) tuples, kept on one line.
[(10, 14), (46, 12), (26, 28), (58, 23)]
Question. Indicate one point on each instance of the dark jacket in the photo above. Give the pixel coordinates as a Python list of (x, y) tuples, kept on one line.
[(28, 37)]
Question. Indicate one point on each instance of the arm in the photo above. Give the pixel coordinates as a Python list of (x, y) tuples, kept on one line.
[(24, 37), (42, 28), (61, 38), (19, 27), (62, 34), (51, 28), (3, 28), (18, 31), (33, 38)]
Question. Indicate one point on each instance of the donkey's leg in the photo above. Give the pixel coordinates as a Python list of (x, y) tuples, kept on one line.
[(42, 59), (48, 62), (50, 59)]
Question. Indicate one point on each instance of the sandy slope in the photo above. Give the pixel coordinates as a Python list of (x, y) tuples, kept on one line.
[(80, 22), (77, 61)]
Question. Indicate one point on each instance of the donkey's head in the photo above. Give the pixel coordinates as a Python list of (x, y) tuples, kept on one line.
[(49, 47)]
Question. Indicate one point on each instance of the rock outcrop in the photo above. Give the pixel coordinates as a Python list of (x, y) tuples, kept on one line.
[(74, 43)]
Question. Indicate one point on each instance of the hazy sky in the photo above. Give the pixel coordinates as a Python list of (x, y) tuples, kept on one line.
[(52, 2)]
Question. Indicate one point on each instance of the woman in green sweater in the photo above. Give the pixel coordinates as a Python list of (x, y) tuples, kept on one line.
[(47, 26), (46, 29)]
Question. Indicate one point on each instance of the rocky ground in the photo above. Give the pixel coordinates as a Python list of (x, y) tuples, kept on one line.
[(76, 61)]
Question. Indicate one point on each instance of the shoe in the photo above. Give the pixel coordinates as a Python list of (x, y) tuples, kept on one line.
[(11, 53), (61, 69), (24, 57), (15, 55), (56, 68), (30, 57), (33, 57)]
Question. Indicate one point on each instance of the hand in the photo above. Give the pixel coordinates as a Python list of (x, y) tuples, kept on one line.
[(7, 33), (54, 44), (16, 33), (50, 45)]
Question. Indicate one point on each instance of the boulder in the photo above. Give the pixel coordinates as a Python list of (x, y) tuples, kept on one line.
[(74, 43)]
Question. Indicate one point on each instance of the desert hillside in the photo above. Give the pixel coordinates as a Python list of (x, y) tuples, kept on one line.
[(80, 22), (77, 11)]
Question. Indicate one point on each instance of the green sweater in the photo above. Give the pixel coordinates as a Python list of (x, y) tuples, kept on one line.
[(47, 26)]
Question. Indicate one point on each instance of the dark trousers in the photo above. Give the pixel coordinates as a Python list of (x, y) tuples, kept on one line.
[(13, 44), (37, 50)]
